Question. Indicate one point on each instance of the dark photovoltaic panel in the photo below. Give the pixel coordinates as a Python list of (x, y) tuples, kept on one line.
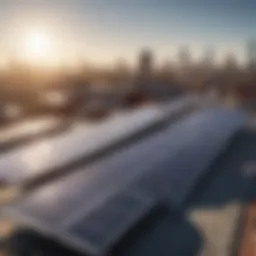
[(165, 166), (107, 223), (189, 161), (31, 161)]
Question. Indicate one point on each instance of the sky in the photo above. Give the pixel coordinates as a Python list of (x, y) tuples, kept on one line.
[(103, 31)]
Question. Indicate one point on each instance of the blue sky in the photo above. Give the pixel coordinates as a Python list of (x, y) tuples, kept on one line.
[(104, 30)]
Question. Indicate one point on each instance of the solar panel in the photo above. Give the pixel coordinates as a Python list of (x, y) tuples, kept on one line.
[(165, 166), (107, 223), (45, 156), (200, 148)]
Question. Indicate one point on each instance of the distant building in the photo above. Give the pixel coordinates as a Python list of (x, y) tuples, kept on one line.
[(231, 63), (151, 83), (145, 68), (184, 58), (208, 60), (251, 53), (205, 72)]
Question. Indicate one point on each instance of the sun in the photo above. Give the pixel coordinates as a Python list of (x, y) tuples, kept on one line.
[(37, 46)]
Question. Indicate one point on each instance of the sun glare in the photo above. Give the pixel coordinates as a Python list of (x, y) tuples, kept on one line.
[(37, 47)]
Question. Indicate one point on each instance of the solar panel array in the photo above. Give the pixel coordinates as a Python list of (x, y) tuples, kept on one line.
[(93, 207), (41, 157)]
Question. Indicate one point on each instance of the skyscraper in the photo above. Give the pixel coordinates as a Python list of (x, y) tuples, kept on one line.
[(145, 62), (251, 53), (184, 57), (145, 68)]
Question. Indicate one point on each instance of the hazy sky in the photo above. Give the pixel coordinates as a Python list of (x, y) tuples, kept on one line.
[(104, 30)]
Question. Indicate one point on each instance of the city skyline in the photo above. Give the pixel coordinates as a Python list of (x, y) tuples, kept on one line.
[(103, 31)]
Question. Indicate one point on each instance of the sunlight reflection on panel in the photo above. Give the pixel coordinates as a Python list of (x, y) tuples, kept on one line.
[(27, 128), (30, 158)]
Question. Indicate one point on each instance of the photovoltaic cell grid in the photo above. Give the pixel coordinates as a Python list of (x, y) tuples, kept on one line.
[(39, 158), (105, 224), (93, 202)]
